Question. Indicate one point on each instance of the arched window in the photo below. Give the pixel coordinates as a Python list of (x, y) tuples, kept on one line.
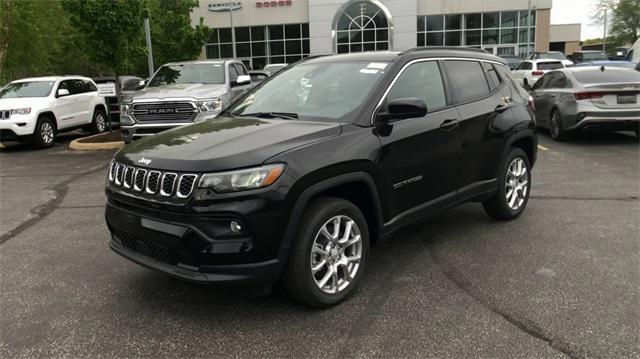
[(362, 25)]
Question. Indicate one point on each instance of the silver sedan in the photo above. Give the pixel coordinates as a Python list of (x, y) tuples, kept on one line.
[(579, 98)]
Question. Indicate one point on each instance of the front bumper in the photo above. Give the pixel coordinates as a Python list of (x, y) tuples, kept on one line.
[(132, 130), (17, 126), (198, 246)]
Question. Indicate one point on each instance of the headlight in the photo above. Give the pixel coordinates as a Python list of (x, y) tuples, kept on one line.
[(214, 105), (242, 180), (125, 109), (21, 111)]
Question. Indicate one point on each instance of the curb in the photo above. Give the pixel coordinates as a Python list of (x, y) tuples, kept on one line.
[(94, 146)]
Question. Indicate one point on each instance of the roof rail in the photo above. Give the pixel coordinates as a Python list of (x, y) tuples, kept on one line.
[(453, 48)]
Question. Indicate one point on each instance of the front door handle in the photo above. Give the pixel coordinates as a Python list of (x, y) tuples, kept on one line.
[(449, 124)]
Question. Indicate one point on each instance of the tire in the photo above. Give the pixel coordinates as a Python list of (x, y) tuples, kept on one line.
[(322, 289), (514, 170), (556, 130), (44, 134), (99, 122)]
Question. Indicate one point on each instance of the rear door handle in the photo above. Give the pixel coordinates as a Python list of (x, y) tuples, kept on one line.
[(449, 124)]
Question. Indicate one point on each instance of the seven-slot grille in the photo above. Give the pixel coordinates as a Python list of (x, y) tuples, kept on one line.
[(152, 182), (164, 111), (5, 115)]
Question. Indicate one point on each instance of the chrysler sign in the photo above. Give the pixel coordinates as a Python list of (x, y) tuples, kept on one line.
[(225, 6)]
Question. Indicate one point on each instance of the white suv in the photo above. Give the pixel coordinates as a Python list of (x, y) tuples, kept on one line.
[(529, 71), (35, 109)]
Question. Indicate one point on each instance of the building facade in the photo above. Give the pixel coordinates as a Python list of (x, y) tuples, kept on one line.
[(277, 31)]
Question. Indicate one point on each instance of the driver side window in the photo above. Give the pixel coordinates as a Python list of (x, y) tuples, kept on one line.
[(421, 80)]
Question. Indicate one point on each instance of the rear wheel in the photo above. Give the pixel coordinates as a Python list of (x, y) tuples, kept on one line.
[(44, 133), (329, 253), (514, 185), (556, 129)]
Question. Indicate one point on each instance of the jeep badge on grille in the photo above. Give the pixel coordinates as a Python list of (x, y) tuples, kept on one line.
[(144, 161)]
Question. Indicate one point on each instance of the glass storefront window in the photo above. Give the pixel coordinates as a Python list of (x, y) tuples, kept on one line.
[(490, 20), (472, 21), (453, 22), (489, 37), (453, 38), (508, 36), (434, 23), (434, 39), (472, 37), (509, 19), (365, 25)]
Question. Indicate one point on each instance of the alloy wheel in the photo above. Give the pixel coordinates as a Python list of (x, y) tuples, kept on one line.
[(555, 124), (335, 254), (46, 132), (516, 184), (100, 122)]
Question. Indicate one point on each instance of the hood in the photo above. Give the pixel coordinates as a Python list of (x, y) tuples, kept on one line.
[(224, 143), (198, 91), (13, 103)]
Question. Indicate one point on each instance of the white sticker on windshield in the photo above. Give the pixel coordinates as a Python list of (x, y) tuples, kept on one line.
[(377, 65), (368, 71)]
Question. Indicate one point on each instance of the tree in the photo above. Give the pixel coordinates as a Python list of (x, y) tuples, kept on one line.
[(625, 24), (111, 31), (172, 36)]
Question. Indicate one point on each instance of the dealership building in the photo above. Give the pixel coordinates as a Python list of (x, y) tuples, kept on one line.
[(279, 31)]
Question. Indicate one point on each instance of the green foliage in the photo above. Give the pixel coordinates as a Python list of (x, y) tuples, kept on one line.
[(626, 21), (111, 30), (93, 37)]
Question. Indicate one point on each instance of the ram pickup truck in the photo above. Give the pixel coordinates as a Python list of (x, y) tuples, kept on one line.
[(181, 93)]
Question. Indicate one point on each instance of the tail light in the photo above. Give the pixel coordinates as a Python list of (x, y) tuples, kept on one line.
[(532, 104), (537, 73), (587, 95)]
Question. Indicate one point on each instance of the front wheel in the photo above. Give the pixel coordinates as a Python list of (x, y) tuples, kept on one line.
[(514, 185), (99, 122), (44, 133), (329, 253)]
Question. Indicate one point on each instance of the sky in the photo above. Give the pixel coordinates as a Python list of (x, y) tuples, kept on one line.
[(576, 11)]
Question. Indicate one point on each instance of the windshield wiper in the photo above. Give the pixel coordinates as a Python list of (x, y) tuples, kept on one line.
[(284, 115)]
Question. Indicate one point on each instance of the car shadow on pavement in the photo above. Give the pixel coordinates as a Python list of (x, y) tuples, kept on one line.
[(62, 139)]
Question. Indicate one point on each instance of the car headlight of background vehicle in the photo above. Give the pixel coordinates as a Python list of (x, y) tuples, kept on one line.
[(242, 180), (213, 105), (21, 111), (125, 109)]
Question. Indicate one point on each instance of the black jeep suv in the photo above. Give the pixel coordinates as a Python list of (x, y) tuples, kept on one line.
[(297, 178)]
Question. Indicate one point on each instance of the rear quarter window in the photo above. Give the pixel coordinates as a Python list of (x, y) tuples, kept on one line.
[(467, 80)]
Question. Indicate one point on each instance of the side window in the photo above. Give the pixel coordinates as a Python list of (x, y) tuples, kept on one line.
[(66, 85), (542, 82), (525, 65), (556, 81), (421, 80), (233, 73), (89, 86), (467, 80), (241, 70), (505, 75), (492, 76), (77, 87)]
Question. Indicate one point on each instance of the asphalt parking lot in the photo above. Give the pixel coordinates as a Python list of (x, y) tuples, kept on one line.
[(561, 281)]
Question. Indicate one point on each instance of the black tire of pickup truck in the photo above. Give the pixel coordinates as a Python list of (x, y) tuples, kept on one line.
[(298, 279)]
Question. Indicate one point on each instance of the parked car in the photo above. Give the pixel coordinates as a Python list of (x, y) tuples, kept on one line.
[(619, 53), (609, 63), (258, 76), (181, 93), (633, 54), (588, 56), (301, 175), (588, 98), (551, 55), (128, 84), (273, 68), (512, 61), (529, 71), (36, 109)]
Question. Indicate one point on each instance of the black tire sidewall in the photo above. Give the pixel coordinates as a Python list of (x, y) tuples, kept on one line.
[(513, 154), (313, 220), (560, 135), (94, 121), (38, 141)]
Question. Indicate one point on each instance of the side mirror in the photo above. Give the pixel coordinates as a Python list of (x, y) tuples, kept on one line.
[(63, 92), (142, 83), (241, 80), (402, 108)]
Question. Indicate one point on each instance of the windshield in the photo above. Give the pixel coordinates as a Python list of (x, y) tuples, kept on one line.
[(188, 74), (592, 56), (27, 89), (552, 55), (321, 91)]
